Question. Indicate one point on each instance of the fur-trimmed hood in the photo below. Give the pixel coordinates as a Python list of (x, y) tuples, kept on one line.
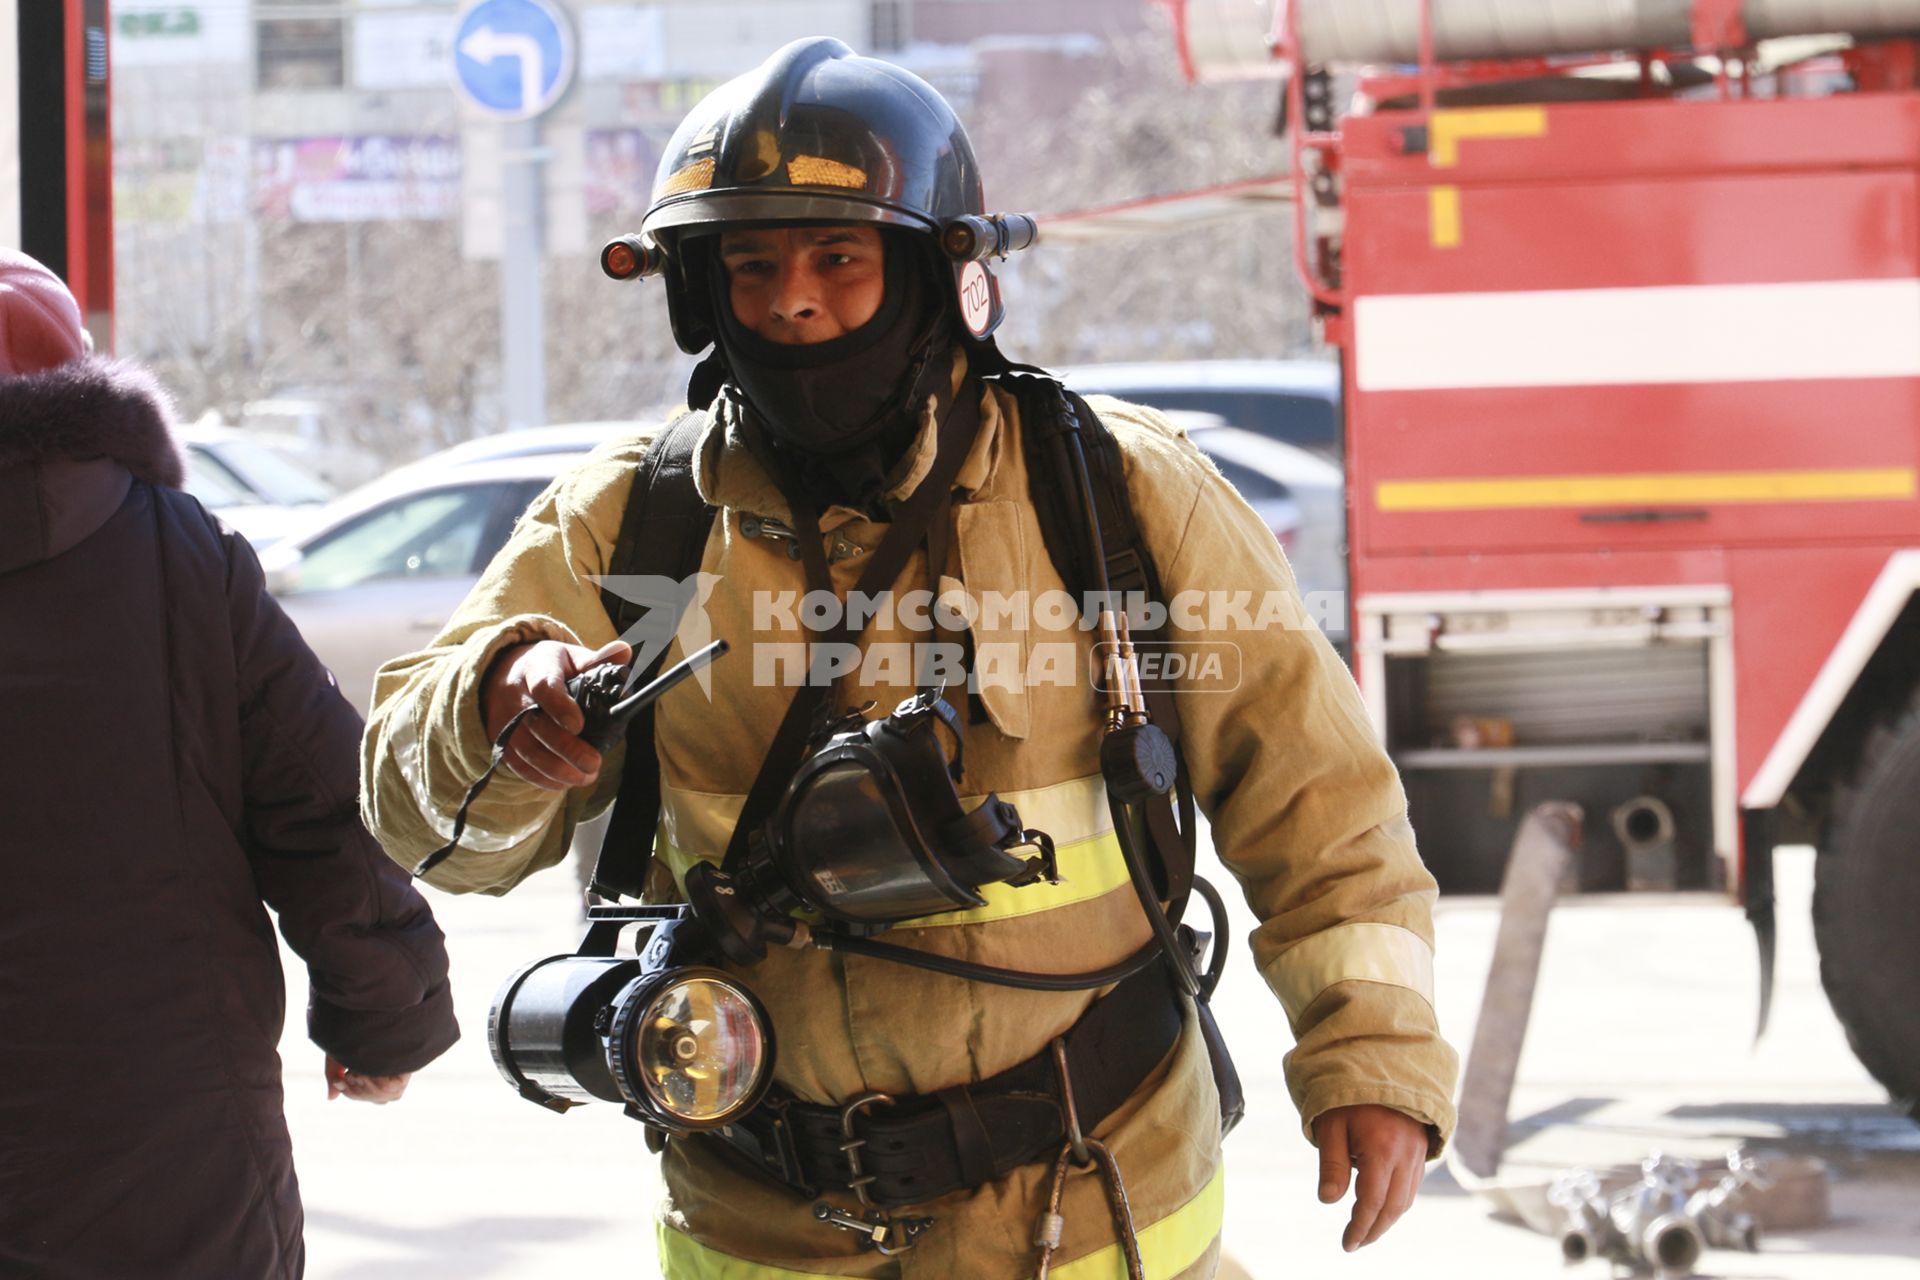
[(71, 439), (94, 408)]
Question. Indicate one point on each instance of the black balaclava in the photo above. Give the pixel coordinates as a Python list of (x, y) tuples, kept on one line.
[(842, 412)]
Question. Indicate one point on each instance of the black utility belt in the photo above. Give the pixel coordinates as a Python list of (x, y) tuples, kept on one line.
[(908, 1150)]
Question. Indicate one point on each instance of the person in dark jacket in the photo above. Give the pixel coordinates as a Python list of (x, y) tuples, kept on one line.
[(172, 757)]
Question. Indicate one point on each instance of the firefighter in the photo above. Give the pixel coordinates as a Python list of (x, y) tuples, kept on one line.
[(799, 211)]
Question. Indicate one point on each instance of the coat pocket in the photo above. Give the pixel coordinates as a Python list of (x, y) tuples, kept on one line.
[(992, 537)]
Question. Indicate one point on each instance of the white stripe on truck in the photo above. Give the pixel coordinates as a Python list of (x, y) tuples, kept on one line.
[(1611, 337)]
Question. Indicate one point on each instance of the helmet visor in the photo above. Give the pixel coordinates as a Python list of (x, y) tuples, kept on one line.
[(738, 209)]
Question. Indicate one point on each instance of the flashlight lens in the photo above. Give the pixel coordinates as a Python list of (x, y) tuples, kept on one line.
[(701, 1052)]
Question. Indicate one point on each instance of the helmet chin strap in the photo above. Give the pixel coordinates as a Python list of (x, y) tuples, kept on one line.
[(842, 412)]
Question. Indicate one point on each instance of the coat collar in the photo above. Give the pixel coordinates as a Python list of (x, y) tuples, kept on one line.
[(729, 476)]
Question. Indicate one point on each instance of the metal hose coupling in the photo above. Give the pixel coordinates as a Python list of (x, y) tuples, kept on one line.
[(1661, 1224)]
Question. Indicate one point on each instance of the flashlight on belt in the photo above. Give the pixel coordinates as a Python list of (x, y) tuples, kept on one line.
[(632, 1018)]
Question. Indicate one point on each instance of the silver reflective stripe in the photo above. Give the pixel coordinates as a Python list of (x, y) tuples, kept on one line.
[(403, 739), (1362, 952)]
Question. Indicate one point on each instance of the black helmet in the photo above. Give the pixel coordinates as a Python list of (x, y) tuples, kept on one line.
[(816, 134)]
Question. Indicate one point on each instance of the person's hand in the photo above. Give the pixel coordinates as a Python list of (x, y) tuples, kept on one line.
[(546, 749), (1388, 1147), (363, 1088)]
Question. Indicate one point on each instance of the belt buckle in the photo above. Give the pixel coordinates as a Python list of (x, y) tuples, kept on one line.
[(880, 1231), (850, 1143)]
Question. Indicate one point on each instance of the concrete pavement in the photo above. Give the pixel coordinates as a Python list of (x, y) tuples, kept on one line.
[(1640, 1039)]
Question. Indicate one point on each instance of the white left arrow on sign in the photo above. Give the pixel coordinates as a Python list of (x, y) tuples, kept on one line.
[(486, 44)]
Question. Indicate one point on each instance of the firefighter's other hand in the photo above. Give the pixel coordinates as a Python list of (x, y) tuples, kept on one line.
[(1387, 1148), (546, 749), (363, 1088)]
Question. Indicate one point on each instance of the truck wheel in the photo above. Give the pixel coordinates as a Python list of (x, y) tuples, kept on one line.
[(1866, 901)]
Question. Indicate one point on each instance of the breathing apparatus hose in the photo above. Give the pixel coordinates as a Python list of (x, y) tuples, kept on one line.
[(1217, 961), (1142, 879), (1088, 981), (1066, 441)]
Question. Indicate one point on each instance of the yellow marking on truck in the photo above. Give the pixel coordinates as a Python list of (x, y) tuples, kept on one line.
[(1448, 129), (1443, 216), (1865, 484)]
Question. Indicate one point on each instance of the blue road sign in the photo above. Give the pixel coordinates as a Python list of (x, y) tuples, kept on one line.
[(512, 58)]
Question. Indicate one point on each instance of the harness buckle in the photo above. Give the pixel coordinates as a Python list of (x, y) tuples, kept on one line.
[(1043, 866)]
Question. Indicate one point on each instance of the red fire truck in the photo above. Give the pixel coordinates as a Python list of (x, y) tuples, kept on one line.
[(1627, 300)]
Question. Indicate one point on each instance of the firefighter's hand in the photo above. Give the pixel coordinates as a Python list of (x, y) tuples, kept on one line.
[(1388, 1148), (546, 749), (363, 1088)]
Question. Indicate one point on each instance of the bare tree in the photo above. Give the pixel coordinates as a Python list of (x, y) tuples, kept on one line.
[(389, 325), (1219, 290)]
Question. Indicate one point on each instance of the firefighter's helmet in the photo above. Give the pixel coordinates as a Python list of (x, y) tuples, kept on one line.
[(817, 134)]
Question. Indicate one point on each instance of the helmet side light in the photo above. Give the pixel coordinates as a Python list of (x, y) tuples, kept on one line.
[(632, 258)]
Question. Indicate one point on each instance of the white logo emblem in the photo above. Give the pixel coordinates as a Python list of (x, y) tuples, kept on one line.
[(976, 299)]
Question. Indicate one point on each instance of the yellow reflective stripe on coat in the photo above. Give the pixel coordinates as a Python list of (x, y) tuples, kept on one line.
[(1167, 1248), (696, 825), (1350, 952)]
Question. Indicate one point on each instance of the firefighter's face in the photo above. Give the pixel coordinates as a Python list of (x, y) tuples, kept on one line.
[(804, 284)]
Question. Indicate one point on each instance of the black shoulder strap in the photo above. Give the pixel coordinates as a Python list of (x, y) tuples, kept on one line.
[(663, 534), (1130, 575)]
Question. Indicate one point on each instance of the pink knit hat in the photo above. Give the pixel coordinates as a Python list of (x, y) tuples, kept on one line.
[(40, 324)]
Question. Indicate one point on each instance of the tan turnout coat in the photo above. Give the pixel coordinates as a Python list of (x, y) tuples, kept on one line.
[(1305, 810)]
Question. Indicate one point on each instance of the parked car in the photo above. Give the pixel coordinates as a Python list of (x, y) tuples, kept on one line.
[(250, 482), (1294, 401), (379, 572), (382, 569), (568, 437), (308, 431)]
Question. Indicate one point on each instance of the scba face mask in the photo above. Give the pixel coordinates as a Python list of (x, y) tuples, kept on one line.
[(829, 399), (870, 832)]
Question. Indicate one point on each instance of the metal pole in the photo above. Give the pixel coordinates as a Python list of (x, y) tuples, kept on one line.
[(1426, 62), (523, 339), (10, 125)]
